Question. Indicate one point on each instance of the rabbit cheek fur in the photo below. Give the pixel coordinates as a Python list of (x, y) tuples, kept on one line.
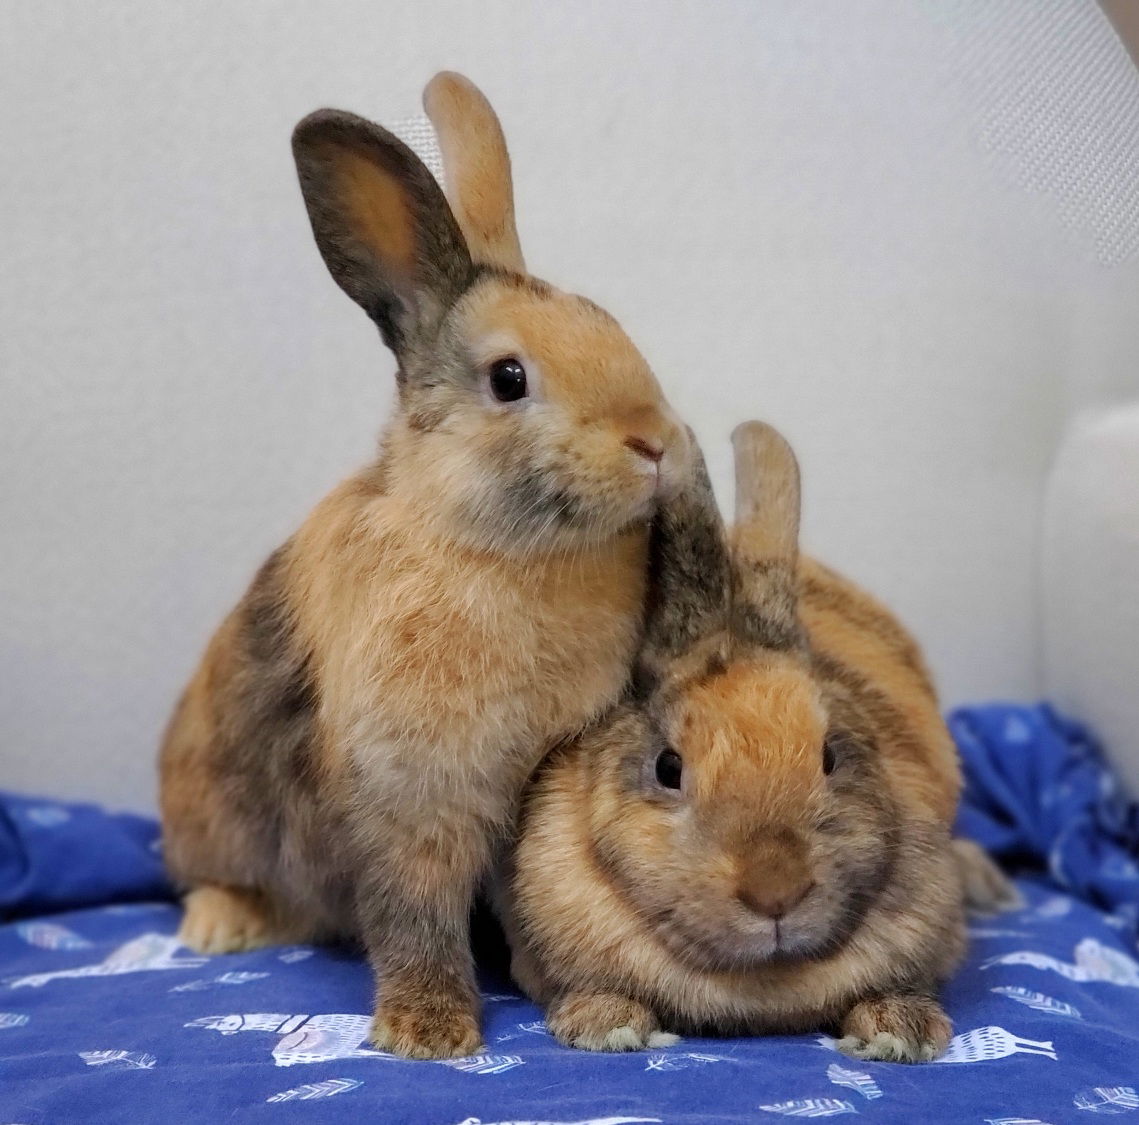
[(356, 738), (802, 874)]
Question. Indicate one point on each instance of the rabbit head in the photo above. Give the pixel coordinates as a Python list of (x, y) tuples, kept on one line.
[(526, 417), (739, 804)]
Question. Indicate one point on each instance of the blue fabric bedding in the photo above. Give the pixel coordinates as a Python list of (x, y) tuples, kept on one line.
[(103, 1017)]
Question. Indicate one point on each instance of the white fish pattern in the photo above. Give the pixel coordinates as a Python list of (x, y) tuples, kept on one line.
[(303, 1038), (588, 1121), (854, 1080), (1107, 1099), (484, 1064), (983, 1044), (1014, 1121), (50, 935), (811, 1107), (225, 978), (1038, 1001), (683, 1060), (136, 1059), (47, 816), (1017, 731), (1094, 962), (292, 956), (1056, 906), (13, 1019), (326, 1089), (144, 954)]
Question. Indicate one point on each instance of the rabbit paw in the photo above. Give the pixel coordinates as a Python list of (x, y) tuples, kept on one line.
[(427, 1027), (896, 1028), (605, 1022), (225, 920)]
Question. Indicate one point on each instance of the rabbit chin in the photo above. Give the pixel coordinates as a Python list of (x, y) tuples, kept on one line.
[(736, 941), (537, 512)]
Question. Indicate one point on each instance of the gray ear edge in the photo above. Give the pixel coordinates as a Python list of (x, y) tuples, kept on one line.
[(689, 573), (402, 303)]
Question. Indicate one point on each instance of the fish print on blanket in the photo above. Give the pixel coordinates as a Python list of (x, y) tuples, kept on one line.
[(46, 816), (303, 1038), (326, 1089), (1015, 1121), (1094, 962), (293, 956), (586, 1121), (1039, 1001), (982, 1044), (811, 1107), (144, 954), (484, 1064), (1107, 1099), (533, 1027), (683, 1060), (136, 1060), (12, 1019), (854, 1080), (225, 979), (50, 935), (1055, 906)]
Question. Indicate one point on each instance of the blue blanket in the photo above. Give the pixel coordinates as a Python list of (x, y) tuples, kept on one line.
[(104, 1017)]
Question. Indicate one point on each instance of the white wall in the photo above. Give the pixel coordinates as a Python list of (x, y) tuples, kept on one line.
[(809, 213)]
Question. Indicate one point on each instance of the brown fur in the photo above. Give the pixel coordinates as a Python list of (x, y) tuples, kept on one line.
[(356, 738), (477, 168), (765, 895)]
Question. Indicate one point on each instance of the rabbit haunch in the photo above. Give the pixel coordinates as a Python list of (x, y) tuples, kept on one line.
[(357, 735)]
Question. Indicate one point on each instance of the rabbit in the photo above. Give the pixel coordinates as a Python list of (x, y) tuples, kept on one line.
[(356, 738), (757, 839)]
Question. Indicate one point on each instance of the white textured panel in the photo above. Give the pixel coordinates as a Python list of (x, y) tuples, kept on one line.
[(1060, 98), (419, 135)]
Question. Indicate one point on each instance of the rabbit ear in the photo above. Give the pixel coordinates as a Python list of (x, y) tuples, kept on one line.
[(689, 583), (476, 165), (382, 224), (765, 539)]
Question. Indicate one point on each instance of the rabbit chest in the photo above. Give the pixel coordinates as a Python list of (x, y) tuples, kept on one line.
[(439, 662)]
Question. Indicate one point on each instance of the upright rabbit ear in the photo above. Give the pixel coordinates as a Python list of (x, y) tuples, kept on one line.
[(765, 539), (382, 224), (477, 168), (689, 588)]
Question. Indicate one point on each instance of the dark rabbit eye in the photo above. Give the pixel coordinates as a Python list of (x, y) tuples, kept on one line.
[(508, 380), (830, 756), (669, 767)]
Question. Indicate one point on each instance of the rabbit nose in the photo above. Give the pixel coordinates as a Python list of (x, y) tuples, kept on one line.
[(646, 447), (775, 900), (775, 873)]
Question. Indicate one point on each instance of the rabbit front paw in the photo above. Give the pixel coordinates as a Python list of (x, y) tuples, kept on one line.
[(605, 1022)]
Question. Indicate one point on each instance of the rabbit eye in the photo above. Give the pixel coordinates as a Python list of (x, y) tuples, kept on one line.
[(508, 380), (669, 768)]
